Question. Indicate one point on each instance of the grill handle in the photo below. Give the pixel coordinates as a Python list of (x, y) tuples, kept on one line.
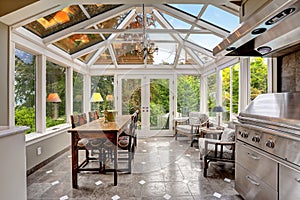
[(254, 157), (252, 181)]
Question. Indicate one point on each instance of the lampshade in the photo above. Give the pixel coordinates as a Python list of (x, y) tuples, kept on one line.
[(54, 98), (109, 97), (96, 97), (61, 17), (219, 109)]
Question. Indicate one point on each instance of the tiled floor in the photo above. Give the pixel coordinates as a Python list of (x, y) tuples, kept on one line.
[(162, 169)]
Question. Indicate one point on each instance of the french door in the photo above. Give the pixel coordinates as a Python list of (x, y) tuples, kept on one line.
[(152, 96)]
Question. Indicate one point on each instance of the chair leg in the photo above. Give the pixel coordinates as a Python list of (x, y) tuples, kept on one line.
[(205, 166)]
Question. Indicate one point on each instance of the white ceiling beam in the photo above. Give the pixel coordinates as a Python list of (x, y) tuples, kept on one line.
[(198, 48), (194, 56), (87, 23), (192, 20), (140, 30), (95, 56)]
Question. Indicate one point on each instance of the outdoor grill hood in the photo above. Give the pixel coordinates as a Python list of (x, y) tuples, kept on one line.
[(272, 30)]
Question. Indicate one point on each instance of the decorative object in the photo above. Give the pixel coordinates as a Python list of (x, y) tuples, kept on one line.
[(146, 48), (55, 99), (218, 110), (109, 101)]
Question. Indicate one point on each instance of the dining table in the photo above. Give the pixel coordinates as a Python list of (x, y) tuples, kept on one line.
[(99, 128)]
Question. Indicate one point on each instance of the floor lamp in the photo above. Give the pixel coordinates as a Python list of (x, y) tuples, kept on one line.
[(218, 110)]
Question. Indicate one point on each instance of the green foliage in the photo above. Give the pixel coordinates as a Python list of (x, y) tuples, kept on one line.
[(188, 94), (25, 117), (258, 77)]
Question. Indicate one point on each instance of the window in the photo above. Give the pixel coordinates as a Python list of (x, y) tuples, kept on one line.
[(25, 66), (56, 98), (230, 92), (258, 76), (102, 90), (77, 92), (188, 94), (211, 93)]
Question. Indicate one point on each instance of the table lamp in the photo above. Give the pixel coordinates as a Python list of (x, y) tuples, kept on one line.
[(54, 98)]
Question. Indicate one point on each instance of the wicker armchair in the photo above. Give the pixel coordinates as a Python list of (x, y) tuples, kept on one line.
[(191, 126)]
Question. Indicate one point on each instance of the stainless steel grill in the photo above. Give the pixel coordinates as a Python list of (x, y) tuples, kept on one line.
[(268, 144)]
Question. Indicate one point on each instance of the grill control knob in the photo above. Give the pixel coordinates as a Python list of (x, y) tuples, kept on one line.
[(270, 144), (244, 134), (256, 139)]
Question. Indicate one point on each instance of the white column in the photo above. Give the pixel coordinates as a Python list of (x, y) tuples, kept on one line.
[(203, 94), (230, 92), (244, 83), (219, 87), (41, 95), (272, 74), (4, 76), (69, 93), (86, 93)]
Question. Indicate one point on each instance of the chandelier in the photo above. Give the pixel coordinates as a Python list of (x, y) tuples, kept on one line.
[(145, 48)]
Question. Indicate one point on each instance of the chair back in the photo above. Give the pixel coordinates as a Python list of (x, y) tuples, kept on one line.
[(197, 118), (93, 115), (78, 119)]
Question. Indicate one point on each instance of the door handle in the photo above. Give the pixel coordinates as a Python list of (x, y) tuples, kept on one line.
[(254, 157)]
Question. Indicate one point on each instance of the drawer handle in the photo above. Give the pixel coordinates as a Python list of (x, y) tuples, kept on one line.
[(252, 181), (254, 157), (297, 179)]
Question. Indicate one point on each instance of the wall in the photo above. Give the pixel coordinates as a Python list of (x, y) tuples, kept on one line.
[(290, 72), (49, 146), (12, 156)]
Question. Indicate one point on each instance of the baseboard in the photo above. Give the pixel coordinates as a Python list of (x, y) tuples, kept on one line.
[(45, 162)]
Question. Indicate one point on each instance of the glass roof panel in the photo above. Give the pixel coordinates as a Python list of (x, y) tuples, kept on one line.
[(105, 58), (77, 42), (185, 59), (85, 58), (203, 57), (112, 23), (193, 9), (57, 21), (208, 41), (176, 23), (220, 18), (127, 54), (166, 53), (97, 9)]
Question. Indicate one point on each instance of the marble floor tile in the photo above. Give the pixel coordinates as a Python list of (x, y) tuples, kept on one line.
[(163, 168)]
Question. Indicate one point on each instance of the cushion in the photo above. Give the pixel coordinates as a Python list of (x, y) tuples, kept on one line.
[(82, 142), (123, 141), (184, 128), (228, 136)]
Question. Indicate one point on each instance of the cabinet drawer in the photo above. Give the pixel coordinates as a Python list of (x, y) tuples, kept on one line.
[(251, 187), (263, 167), (289, 183)]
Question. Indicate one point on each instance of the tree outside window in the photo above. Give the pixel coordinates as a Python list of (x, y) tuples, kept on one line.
[(25, 72)]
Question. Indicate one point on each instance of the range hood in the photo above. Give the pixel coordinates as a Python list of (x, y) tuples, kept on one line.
[(272, 31)]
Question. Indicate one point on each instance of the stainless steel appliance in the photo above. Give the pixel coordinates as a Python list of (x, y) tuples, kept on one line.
[(268, 148)]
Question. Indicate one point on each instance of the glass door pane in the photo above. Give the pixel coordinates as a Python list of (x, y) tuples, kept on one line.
[(159, 104), (131, 96)]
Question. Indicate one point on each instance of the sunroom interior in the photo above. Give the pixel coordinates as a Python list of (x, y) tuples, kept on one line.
[(64, 57)]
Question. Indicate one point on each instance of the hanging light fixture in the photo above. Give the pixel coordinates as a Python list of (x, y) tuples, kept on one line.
[(146, 48)]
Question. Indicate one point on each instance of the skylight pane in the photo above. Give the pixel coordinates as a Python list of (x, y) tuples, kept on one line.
[(176, 23), (166, 54), (208, 41), (220, 18), (105, 58), (193, 9), (160, 37), (202, 57), (185, 58)]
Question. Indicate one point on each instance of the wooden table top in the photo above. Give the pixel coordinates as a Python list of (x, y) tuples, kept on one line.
[(100, 125)]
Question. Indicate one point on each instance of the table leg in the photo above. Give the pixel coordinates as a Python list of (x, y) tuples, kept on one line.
[(116, 161), (74, 161)]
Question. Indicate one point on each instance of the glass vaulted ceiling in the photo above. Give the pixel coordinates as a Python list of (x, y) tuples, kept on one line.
[(101, 35)]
